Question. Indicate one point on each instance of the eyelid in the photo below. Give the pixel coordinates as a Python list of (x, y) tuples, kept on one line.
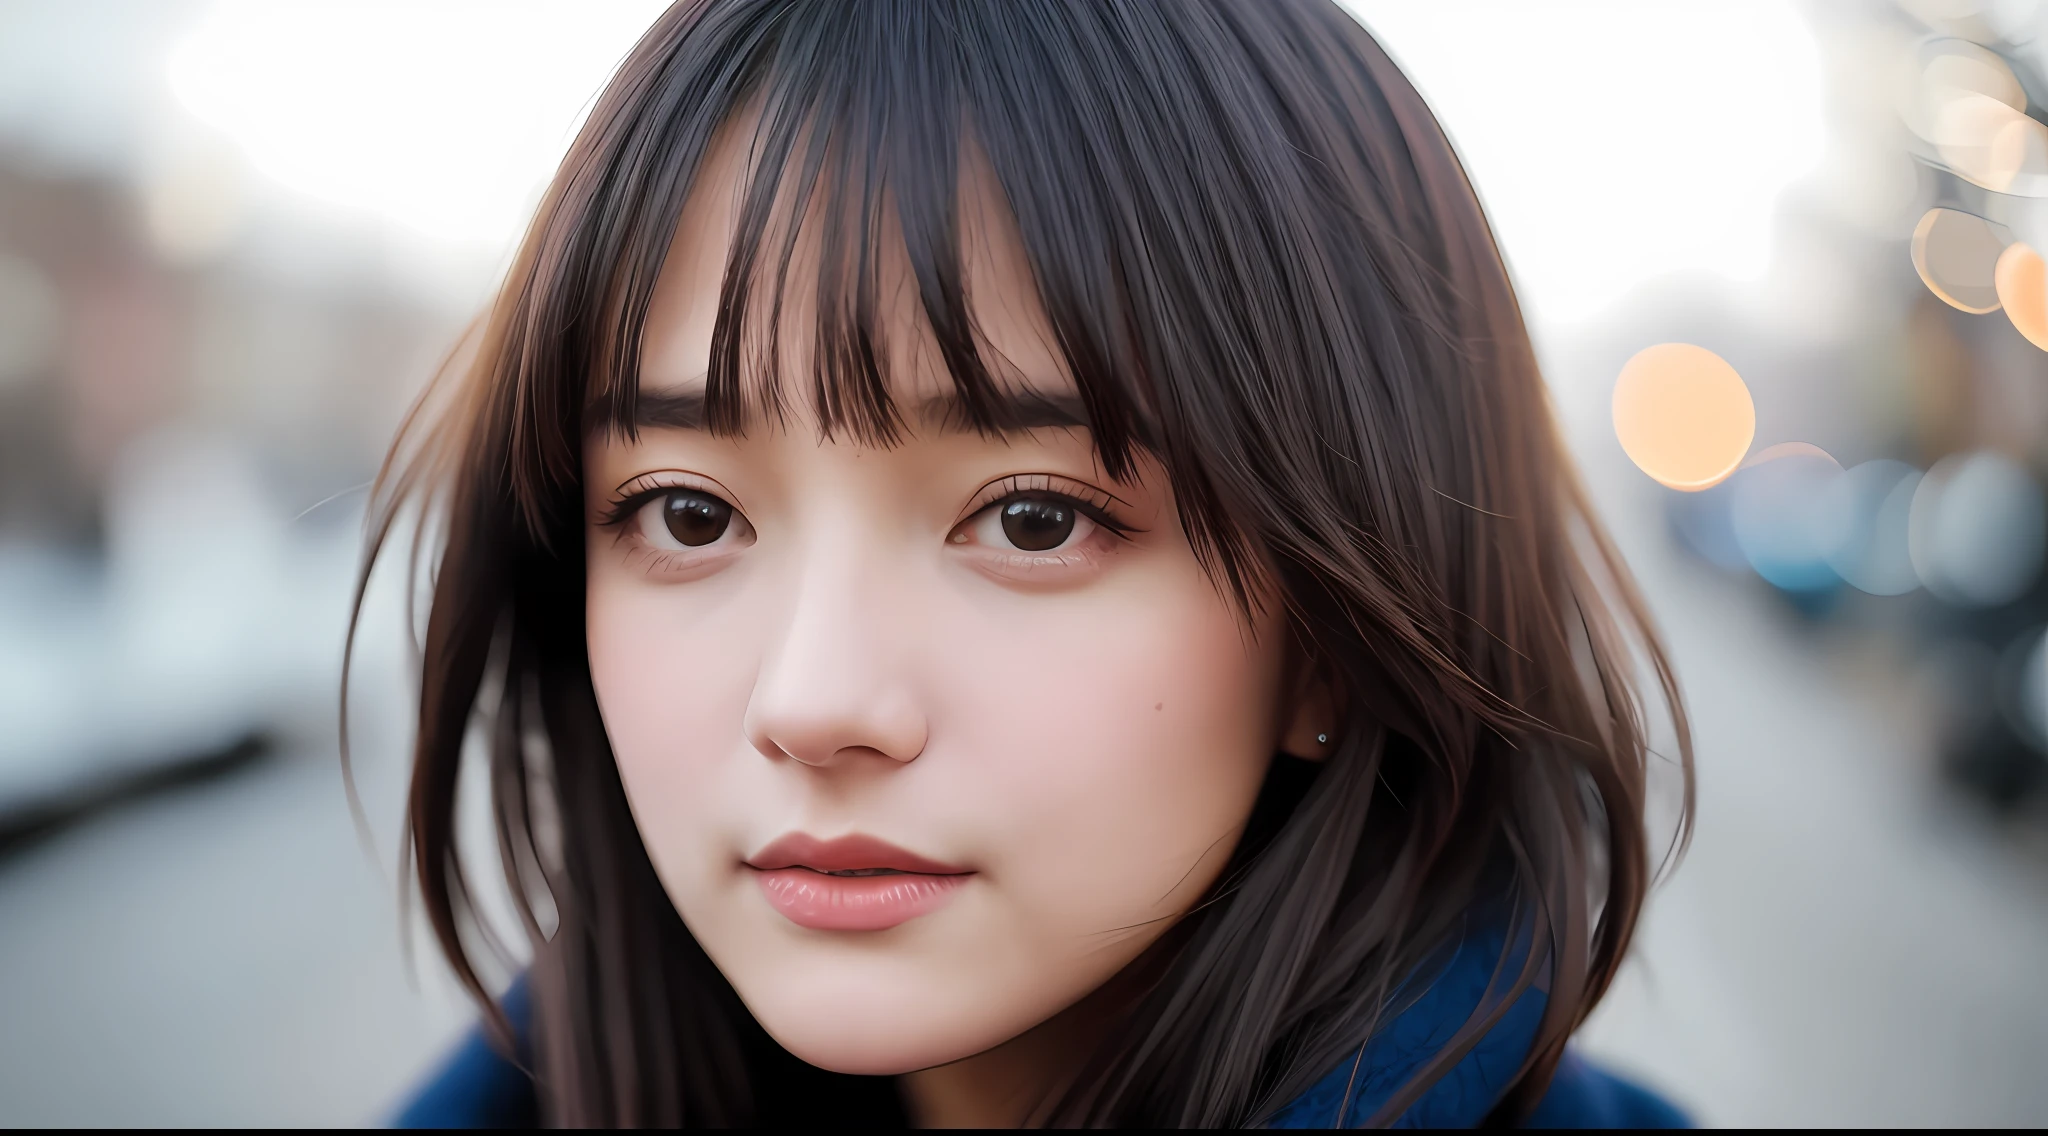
[(641, 488), (1094, 503)]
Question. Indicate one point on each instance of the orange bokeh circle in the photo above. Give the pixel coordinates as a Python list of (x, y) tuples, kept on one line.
[(1956, 255), (2022, 282), (1683, 415)]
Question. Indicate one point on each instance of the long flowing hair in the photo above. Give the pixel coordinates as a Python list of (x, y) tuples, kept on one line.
[(1264, 265)]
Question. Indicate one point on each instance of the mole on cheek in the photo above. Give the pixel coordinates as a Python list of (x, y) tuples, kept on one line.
[(1159, 706)]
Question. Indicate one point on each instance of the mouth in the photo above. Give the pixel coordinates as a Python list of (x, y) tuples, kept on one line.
[(851, 856), (852, 883)]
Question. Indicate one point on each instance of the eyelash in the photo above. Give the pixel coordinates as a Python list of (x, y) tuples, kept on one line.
[(629, 500), (1088, 501), (1091, 503)]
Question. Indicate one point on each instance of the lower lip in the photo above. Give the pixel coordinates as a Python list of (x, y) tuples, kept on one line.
[(854, 903)]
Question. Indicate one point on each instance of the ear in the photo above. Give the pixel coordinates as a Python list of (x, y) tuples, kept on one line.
[(1311, 718)]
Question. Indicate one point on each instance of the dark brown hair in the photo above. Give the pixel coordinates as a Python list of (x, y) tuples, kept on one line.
[(1264, 265)]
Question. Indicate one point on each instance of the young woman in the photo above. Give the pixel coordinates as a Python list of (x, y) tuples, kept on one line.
[(1011, 565)]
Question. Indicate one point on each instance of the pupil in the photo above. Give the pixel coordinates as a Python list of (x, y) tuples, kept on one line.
[(1035, 524), (695, 519)]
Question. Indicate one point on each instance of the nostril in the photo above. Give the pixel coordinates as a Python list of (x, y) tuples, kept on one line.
[(816, 760), (830, 726), (870, 752), (773, 749), (820, 757)]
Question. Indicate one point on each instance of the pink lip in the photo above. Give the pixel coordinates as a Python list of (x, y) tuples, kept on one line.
[(792, 874)]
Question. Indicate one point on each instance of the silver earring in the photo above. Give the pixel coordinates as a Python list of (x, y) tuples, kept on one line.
[(1322, 739)]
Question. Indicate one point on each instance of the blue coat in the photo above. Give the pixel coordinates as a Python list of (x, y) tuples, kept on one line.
[(477, 1088)]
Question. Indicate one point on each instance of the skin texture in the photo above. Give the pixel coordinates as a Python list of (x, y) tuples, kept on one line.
[(863, 651)]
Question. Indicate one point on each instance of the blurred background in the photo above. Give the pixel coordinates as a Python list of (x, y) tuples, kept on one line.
[(236, 238)]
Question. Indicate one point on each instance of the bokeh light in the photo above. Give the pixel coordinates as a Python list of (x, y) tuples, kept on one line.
[(1967, 102), (1943, 68), (1867, 514), (1701, 523), (2022, 282), (1956, 255), (2017, 160), (1951, 66), (1976, 529), (2033, 687), (1683, 415), (1970, 129), (1781, 511)]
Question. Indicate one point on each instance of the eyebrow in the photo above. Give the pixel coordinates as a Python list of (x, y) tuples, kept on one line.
[(946, 413)]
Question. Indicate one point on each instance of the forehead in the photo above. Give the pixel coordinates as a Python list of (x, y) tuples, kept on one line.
[(831, 309)]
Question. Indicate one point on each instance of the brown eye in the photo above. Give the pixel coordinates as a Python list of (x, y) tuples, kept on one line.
[(695, 519), (1037, 524)]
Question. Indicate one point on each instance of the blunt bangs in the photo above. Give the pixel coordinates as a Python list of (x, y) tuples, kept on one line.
[(861, 146), (1184, 280)]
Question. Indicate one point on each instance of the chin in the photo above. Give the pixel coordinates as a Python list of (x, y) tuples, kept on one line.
[(875, 1048), (873, 1036)]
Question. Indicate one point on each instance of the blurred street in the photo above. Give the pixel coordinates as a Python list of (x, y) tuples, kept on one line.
[(225, 952), (1847, 944)]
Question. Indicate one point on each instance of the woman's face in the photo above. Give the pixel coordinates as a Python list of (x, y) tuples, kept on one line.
[(926, 742)]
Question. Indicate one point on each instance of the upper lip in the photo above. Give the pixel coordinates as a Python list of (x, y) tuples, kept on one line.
[(845, 853)]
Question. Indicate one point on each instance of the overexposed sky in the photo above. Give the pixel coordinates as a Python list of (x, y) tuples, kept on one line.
[(446, 117), (1618, 141), (1614, 142)]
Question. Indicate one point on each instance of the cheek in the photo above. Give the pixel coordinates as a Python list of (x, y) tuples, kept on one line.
[(1126, 735), (671, 672)]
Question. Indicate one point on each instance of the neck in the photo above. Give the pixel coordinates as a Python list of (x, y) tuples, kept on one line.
[(1011, 1085)]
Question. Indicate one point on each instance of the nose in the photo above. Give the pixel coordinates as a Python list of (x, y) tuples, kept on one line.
[(831, 689)]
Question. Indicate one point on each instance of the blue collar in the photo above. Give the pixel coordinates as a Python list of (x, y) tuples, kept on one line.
[(477, 1088), (1581, 1095), (1356, 1090)]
